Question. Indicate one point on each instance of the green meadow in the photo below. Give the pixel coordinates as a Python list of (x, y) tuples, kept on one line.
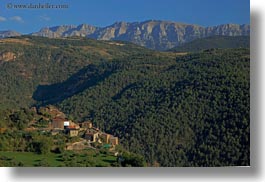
[(66, 159)]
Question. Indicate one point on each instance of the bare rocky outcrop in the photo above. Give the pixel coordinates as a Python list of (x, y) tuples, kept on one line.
[(7, 56)]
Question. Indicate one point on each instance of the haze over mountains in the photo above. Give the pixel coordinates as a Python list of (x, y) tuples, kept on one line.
[(154, 34)]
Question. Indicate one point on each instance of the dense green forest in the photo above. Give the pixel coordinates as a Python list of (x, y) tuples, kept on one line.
[(190, 110), (221, 42), (42, 61)]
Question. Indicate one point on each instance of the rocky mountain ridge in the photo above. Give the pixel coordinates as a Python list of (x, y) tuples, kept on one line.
[(154, 34)]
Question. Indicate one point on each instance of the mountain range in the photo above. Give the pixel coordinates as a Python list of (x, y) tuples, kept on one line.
[(153, 34)]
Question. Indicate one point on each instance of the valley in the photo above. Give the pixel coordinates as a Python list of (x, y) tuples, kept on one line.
[(187, 108)]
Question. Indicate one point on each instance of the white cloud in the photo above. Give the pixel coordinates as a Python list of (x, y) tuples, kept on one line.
[(2, 19), (45, 18), (17, 19)]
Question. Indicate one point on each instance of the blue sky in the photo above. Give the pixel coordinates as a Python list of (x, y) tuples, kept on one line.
[(106, 12)]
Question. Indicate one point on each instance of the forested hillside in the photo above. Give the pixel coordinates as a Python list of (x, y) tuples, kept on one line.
[(190, 110), (221, 42), (28, 62)]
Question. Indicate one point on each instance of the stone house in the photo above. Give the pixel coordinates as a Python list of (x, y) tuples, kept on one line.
[(72, 130), (105, 137), (92, 136), (114, 140), (58, 123)]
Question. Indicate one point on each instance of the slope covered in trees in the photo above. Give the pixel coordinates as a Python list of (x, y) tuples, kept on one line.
[(190, 110), (223, 42), (28, 62)]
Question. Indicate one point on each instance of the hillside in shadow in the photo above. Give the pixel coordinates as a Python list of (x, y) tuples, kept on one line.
[(87, 77)]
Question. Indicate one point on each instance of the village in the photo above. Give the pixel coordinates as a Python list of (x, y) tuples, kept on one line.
[(45, 136), (87, 134)]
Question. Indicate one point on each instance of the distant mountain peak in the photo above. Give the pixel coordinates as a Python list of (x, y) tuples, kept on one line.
[(84, 26), (8, 33)]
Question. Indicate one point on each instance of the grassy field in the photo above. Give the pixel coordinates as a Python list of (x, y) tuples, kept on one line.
[(68, 159)]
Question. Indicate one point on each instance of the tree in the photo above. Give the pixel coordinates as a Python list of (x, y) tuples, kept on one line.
[(42, 144), (131, 160)]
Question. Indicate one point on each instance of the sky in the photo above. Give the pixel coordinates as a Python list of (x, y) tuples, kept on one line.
[(106, 12)]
